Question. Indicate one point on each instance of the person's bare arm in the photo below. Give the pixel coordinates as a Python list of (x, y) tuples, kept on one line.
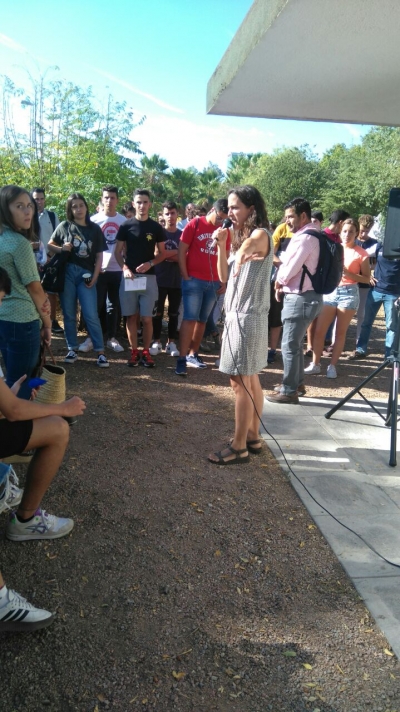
[(42, 304), (365, 275), (159, 257), (171, 256), (255, 247), (182, 251), (14, 408)]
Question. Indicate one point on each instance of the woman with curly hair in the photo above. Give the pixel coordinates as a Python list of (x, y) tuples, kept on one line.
[(245, 339)]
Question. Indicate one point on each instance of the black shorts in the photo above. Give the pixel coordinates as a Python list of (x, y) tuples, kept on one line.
[(14, 437), (275, 309)]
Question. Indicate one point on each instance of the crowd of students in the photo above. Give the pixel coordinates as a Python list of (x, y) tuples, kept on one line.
[(129, 266)]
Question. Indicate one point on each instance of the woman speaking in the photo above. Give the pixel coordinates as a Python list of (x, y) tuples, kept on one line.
[(245, 339)]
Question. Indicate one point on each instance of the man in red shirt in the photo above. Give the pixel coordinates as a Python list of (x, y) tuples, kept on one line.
[(197, 256)]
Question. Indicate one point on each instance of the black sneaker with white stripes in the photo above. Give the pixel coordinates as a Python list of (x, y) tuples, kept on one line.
[(17, 615)]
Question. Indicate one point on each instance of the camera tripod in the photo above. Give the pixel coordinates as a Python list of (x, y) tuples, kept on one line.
[(391, 411)]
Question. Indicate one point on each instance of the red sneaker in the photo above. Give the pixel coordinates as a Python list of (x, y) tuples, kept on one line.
[(135, 358), (146, 359)]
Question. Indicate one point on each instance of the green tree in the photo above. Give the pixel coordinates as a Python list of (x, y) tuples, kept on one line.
[(181, 186), (68, 144), (209, 185), (285, 174)]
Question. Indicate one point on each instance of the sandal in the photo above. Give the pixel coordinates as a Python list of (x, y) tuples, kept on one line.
[(250, 446), (234, 461), (254, 450)]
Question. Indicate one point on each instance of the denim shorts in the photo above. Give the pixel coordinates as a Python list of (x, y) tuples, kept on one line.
[(346, 297), (199, 297)]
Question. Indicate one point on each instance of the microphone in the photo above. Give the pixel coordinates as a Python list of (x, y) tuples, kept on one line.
[(227, 223)]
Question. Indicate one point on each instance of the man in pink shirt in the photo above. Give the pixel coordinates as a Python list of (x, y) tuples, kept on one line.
[(299, 307)]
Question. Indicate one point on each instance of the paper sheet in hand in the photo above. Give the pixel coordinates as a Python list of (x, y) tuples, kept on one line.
[(135, 285)]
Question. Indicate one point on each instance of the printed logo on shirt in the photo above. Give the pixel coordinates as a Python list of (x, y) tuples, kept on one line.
[(110, 230), (204, 236), (170, 245), (149, 236)]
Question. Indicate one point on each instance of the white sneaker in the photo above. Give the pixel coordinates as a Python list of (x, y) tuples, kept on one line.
[(86, 346), (17, 615), (155, 348), (171, 349), (115, 345), (331, 371), (11, 494), (313, 368), (41, 526)]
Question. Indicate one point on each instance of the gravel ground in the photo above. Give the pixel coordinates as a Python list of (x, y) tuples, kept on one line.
[(185, 586)]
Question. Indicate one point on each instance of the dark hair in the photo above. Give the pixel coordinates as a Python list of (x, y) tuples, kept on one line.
[(5, 281), (9, 193), (337, 216), (128, 207), (317, 215), (70, 199), (221, 205), (352, 221), (110, 189), (140, 191), (35, 219), (38, 190), (169, 205), (366, 221), (250, 197), (299, 205)]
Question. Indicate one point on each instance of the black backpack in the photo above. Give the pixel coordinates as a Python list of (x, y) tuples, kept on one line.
[(52, 217), (330, 265)]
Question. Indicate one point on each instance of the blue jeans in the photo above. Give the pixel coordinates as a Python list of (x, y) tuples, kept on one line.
[(199, 297), (374, 302), (74, 289), (299, 310), (20, 347)]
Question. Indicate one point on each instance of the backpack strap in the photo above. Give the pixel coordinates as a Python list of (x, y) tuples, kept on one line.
[(313, 233), (52, 217)]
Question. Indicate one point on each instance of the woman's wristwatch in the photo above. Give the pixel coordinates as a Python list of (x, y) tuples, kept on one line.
[(151, 263)]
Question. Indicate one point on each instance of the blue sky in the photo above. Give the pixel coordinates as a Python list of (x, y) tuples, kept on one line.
[(158, 56)]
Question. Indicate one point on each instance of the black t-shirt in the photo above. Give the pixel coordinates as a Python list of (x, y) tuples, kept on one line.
[(168, 273), (141, 237), (87, 241)]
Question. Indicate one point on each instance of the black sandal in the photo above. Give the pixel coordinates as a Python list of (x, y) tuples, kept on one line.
[(234, 461), (254, 450), (250, 446)]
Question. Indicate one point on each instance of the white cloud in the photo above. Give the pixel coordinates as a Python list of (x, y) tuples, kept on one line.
[(11, 44), (184, 143), (135, 90), (353, 131)]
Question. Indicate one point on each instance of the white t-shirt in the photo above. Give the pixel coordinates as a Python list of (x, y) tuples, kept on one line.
[(46, 227), (110, 227)]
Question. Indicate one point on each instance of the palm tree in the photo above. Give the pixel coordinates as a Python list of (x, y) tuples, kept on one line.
[(181, 186)]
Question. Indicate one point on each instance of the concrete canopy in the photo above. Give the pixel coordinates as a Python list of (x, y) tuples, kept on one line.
[(321, 60)]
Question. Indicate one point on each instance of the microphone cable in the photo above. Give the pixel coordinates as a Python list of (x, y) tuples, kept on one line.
[(345, 526)]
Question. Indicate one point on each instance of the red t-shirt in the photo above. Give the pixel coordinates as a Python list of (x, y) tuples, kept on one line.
[(201, 258)]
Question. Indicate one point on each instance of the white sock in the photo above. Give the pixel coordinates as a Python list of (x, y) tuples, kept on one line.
[(3, 595)]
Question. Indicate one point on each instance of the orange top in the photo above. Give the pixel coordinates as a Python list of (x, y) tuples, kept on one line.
[(353, 256)]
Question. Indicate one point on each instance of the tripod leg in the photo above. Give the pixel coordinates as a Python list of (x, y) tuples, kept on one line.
[(388, 419), (357, 389), (393, 418)]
